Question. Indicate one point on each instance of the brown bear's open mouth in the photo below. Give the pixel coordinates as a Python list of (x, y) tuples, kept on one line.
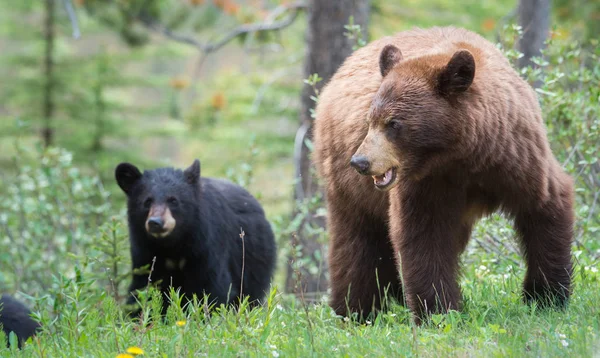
[(385, 180)]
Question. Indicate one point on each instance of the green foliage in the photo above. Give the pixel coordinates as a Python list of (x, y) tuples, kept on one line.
[(133, 18), (122, 17), (354, 33), (569, 95), (570, 98), (581, 18), (312, 81), (50, 215)]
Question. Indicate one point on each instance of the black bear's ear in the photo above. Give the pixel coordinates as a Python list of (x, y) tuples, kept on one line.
[(127, 175), (458, 74), (389, 57), (192, 174)]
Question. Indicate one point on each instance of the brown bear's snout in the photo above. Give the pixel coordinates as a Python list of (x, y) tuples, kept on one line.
[(360, 163), (160, 222)]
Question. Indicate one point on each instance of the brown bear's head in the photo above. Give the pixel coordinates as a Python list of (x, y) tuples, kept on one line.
[(414, 119)]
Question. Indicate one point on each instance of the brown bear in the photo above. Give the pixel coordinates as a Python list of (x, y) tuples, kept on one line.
[(417, 136)]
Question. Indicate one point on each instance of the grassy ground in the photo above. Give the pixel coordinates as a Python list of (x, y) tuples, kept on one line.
[(494, 323)]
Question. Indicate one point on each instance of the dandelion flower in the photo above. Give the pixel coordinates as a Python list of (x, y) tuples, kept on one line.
[(124, 355), (180, 323), (135, 351)]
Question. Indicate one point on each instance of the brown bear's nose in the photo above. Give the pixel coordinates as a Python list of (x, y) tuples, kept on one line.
[(155, 224), (360, 163)]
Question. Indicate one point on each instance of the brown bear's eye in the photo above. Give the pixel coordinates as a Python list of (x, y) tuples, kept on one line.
[(147, 203), (395, 124), (173, 201)]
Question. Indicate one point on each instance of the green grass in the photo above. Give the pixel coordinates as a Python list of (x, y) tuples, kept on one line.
[(494, 323)]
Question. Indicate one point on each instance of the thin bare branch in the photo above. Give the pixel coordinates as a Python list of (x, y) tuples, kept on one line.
[(269, 25), (72, 18)]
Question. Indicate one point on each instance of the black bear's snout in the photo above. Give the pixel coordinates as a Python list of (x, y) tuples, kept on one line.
[(155, 224), (360, 163)]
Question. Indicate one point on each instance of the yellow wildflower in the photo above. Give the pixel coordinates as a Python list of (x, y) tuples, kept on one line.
[(124, 355), (135, 351), (180, 323)]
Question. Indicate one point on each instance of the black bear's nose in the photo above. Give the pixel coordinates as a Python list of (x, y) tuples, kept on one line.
[(155, 224), (360, 163)]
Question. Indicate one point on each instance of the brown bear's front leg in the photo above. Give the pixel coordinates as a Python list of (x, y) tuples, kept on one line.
[(428, 232), (546, 234), (361, 264)]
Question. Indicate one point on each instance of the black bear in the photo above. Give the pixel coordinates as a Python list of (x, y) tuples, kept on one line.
[(191, 227), (15, 317)]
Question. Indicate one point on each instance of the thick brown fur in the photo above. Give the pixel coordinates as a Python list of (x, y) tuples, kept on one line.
[(464, 137)]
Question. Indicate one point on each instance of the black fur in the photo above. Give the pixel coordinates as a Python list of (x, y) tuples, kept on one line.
[(15, 317), (209, 215)]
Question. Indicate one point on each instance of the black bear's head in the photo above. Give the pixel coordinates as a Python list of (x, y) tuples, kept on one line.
[(160, 201)]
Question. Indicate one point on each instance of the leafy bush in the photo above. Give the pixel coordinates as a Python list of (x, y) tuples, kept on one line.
[(570, 100), (55, 226)]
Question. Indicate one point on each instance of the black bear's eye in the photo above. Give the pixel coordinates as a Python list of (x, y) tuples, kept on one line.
[(173, 201), (147, 203)]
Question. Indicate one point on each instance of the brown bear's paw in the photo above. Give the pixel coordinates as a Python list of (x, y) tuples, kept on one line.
[(555, 295)]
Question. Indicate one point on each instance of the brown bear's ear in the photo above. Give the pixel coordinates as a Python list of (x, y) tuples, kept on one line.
[(192, 174), (458, 74), (127, 175), (389, 57)]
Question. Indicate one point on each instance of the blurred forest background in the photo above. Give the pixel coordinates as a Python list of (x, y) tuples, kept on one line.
[(87, 84)]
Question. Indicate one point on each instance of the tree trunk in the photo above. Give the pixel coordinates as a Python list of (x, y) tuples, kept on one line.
[(327, 47), (534, 18), (48, 109)]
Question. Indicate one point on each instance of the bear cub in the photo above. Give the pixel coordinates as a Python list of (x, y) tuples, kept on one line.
[(15, 317), (191, 228)]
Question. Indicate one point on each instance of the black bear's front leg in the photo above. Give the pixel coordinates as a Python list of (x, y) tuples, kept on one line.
[(546, 233), (217, 285), (427, 230)]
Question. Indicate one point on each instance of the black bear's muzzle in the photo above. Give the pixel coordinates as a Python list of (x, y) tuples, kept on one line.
[(160, 222), (155, 225)]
